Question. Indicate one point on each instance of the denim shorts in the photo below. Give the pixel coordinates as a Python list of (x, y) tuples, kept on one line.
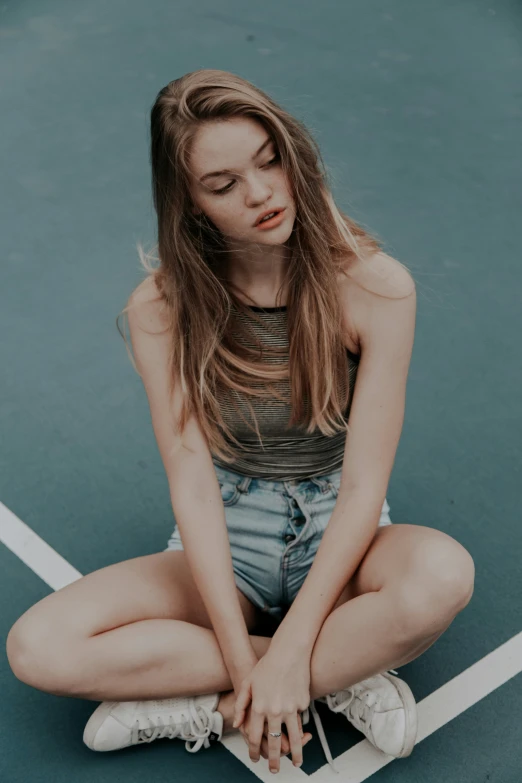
[(274, 529)]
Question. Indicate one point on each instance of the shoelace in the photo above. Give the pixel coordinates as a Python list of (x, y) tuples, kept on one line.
[(194, 728), (358, 710)]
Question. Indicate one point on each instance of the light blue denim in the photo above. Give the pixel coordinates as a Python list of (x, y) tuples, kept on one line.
[(275, 528)]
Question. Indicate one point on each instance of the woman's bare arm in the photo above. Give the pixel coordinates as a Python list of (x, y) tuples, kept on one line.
[(194, 488)]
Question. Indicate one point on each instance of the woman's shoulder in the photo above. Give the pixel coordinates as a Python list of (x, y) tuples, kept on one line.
[(365, 284), (146, 291), (147, 303), (379, 274)]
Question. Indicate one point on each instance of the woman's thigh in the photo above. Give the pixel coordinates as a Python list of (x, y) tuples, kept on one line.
[(157, 586), (410, 555)]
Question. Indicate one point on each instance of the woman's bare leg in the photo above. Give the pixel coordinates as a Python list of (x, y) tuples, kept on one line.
[(159, 659), (410, 586), (131, 631), (409, 604)]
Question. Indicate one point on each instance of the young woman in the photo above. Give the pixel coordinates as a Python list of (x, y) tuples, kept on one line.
[(274, 353)]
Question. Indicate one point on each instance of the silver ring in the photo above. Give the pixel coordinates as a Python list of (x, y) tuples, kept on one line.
[(274, 734)]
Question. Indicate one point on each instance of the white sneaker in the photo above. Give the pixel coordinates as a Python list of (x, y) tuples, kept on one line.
[(383, 708), (120, 724)]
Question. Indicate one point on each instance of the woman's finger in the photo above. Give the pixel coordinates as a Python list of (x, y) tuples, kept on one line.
[(256, 725), (264, 746), (285, 744), (241, 704), (300, 722), (274, 743), (294, 732)]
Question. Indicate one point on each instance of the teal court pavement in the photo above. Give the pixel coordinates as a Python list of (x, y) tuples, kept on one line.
[(418, 113)]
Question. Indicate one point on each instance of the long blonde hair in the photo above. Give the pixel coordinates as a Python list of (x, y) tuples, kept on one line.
[(207, 362)]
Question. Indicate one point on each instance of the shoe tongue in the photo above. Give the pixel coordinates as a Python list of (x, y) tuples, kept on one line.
[(164, 704), (210, 700)]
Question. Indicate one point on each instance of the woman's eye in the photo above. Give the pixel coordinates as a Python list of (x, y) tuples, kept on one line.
[(274, 160), (223, 190), (227, 187)]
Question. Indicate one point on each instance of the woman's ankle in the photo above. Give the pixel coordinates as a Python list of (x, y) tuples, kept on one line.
[(225, 706)]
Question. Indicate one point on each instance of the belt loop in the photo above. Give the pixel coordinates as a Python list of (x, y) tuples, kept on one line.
[(244, 484), (323, 484)]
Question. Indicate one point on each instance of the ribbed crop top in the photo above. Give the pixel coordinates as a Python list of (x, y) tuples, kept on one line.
[(287, 454)]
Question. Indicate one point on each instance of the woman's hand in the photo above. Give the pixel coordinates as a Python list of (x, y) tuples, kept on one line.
[(239, 675), (277, 689), (245, 729)]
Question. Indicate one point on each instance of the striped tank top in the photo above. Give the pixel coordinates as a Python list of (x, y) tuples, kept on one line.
[(287, 454)]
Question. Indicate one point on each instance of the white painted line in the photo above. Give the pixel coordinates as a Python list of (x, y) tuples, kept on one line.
[(437, 709), (35, 553), (362, 760)]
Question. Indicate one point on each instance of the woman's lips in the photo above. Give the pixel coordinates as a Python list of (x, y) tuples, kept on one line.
[(273, 222)]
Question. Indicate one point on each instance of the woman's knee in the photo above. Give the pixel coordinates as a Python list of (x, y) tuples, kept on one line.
[(40, 655), (437, 586)]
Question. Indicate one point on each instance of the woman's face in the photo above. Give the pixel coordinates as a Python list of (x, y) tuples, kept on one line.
[(252, 183)]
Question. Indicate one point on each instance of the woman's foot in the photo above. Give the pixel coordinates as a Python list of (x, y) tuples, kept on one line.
[(116, 725), (383, 709)]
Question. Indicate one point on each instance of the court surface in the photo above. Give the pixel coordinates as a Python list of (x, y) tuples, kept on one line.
[(417, 110)]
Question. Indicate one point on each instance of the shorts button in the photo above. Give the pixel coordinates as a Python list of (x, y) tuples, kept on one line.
[(289, 537)]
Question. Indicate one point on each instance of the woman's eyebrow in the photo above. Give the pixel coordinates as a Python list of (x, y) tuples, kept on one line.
[(227, 171)]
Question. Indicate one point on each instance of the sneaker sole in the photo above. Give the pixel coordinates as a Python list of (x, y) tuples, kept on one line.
[(410, 712)]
